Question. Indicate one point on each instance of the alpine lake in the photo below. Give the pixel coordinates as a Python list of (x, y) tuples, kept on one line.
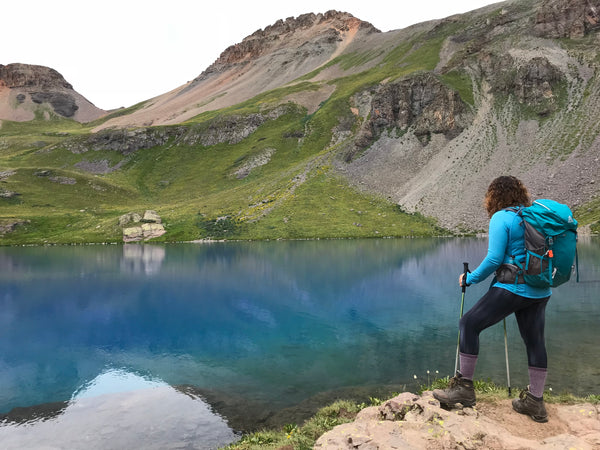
[(189, 345)]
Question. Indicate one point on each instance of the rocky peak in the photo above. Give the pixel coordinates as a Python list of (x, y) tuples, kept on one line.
[(29, 90), (335, 19), (31, 76), (329, 26), (567, 18)]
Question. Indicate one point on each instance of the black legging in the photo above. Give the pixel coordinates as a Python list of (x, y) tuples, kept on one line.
[(494, 306)]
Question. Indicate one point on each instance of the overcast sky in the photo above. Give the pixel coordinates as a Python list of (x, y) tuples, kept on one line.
[(120, 52)]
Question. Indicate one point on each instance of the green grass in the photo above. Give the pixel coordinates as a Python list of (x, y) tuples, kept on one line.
[(462, 83), (589, 214), (327, 207), (64, 207), (301, 437), (56, 126), (346, 61), (191, 186), (118, 113)]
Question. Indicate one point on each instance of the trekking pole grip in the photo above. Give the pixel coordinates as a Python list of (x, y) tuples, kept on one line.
[(464, 279)]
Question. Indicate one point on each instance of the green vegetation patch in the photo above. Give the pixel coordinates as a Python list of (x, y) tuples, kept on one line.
[(460, 82), (325, 206), (61, 206), (118, 113), (589, 214), (301, 437)]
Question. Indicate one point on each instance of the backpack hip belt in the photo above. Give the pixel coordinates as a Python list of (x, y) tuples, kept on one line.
[(510, 273)]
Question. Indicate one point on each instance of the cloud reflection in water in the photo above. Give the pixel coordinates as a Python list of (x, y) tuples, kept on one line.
[(120, 409)]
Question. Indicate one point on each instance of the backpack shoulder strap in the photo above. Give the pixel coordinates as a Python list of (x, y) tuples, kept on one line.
[(517, 210)]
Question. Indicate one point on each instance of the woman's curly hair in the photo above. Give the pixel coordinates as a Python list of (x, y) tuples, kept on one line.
[(503, 192)]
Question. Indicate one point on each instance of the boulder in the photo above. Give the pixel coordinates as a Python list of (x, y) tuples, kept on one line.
[(133, 234), (150, 226), (128, 218), (152, 230), (8, 194), (151, 217), (144, 232)]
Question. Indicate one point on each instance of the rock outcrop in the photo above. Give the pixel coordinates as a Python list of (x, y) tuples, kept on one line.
[(30, 76), (137, 228), (249, 164), (27, 90), (10, 225), (567, 18), (533, 82), (230, 129), (422, 103), (416, 422)]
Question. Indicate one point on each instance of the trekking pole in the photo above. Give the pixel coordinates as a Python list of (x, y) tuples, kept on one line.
[(462, 305), (506, 353)]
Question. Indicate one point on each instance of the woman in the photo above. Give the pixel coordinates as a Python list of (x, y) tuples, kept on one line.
[(507, 295)]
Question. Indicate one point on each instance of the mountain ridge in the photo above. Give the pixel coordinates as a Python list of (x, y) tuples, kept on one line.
[(262, 61)]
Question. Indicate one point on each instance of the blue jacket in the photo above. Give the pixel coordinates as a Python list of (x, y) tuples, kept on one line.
[(503, 224)]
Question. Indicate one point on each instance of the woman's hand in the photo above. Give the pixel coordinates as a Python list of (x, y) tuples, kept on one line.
[(460, 280)]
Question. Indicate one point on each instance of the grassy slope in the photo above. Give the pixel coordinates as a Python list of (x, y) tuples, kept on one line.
[(182, 183), (190, 186)]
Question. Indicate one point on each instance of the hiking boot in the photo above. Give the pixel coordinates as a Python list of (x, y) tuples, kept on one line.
[(459, 390), (529, 405)]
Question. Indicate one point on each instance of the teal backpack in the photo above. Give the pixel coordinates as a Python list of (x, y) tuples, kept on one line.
[(550, 243)]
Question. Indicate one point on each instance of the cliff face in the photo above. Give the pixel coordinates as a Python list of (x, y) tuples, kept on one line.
[(570, 19), (27, 90), (421, 103)]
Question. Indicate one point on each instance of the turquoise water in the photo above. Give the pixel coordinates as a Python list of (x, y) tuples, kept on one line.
[(234, 335)]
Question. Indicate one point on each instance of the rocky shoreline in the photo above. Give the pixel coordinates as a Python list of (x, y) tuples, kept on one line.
[(411, 421)]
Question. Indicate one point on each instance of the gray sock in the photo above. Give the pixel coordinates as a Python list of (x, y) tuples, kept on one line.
[(537, 381), (467, 365)]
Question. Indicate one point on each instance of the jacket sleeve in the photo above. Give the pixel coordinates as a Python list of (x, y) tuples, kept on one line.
[(497, 243)]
